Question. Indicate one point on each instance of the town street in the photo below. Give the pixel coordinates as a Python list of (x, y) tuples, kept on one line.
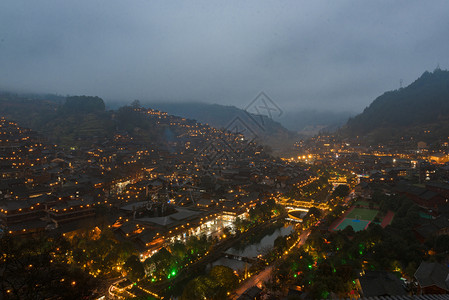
[(263, 276)]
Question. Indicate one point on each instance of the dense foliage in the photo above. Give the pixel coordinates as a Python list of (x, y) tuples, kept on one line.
[(329, 262), (215, 285), (167, 262), (32, 269)]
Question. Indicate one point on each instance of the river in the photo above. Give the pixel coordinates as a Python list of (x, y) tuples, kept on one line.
[(251, 250)]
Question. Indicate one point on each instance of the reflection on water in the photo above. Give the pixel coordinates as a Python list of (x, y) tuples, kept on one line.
[(231, 263), (252, 250)]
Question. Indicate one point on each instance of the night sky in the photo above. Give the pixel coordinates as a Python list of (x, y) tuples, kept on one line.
[(331, 55)]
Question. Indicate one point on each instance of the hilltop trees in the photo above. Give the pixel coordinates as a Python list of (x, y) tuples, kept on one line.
[(83, 104)]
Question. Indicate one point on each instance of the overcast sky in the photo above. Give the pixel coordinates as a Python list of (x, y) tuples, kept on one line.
[(304, 54)]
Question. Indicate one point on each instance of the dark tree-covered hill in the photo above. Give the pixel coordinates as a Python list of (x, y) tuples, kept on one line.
[(83, 104), (418, 111), (68, 121), (79, 120)]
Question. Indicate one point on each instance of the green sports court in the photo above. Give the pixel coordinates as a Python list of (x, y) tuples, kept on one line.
[(358, 219), (362, 214), (357, 225)]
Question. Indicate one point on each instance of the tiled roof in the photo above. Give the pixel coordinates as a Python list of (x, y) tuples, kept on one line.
[(429, 274)]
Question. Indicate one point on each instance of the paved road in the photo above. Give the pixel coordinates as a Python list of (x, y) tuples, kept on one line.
[(304, 235), (111, 294), (259, 279)]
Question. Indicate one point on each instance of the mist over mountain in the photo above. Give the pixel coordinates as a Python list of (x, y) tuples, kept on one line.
[(303, 122), (217, 115), (419, 111), (310, 122), (261, 128), (73, 119)]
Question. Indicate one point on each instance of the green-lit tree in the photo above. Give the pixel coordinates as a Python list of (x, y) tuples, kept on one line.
[(179, 251), (159, 264)]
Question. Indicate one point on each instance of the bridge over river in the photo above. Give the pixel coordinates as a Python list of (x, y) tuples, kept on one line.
[(297, 209), (296, 214), (239, 257), (293, 204)]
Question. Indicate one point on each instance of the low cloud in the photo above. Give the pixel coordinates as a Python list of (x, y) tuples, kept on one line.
[(303, 54)]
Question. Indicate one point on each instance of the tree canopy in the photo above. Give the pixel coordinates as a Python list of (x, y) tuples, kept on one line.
[(83, 104)]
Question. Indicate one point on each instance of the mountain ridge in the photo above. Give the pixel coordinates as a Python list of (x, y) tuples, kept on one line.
[(418, 111)]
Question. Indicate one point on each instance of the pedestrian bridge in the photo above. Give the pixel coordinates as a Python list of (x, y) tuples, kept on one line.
[(238, 257), (292, 204), (296, 215), (297, 209)]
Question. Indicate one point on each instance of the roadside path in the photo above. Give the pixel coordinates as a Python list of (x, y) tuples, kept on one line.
[(263, 276), (387, 219)]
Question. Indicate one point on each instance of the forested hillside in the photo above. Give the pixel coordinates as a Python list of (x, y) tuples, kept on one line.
[(420, 111)]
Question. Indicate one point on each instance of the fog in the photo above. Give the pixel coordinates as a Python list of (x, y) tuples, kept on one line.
[(325, 55)]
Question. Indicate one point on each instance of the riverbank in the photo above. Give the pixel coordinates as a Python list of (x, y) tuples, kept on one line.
[(175, 285)]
